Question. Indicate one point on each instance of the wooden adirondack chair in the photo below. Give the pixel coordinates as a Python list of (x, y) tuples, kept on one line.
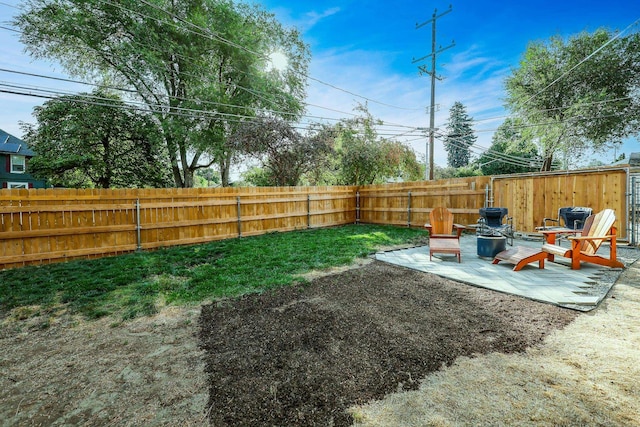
[(441, 227), (597, 229)]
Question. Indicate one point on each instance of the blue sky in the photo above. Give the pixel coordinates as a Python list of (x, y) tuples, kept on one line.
[(367, 47)]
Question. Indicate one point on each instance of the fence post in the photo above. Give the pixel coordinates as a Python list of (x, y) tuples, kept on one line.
[(409, 210), (634, 210), (486, 196), (138, 224), (357, 207), (239, 218), (308, 211)]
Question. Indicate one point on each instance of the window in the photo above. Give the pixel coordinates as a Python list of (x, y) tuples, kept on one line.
[(17, 185), (18, 164)]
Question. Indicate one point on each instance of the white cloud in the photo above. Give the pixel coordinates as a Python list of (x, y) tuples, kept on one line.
[(307, 21), (313, 17), (471, 78)]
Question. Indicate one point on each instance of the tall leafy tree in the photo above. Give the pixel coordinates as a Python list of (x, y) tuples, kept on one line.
[(365, 158), (199, 66), (512, 150), (459, 136), (94, 140), (360, 159), (578, 94), (285, 154), (256, 176)]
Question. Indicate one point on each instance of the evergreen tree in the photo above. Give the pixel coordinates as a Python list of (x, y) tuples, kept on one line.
[(459, 136)]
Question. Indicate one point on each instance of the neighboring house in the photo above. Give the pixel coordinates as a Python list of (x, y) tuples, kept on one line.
[(14, 163), (633, 160)]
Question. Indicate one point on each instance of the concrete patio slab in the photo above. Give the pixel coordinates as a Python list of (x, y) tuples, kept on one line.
[(556, 284)]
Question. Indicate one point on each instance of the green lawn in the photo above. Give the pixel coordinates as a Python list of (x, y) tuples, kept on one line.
[(137, 284)]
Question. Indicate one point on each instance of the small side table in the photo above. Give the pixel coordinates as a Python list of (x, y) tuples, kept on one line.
[(445, 246), (489, 245)]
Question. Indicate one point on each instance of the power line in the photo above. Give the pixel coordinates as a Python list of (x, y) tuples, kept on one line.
[(91, 99), (202, 102), (9, 29), (546, 110), (50, 93), (497, 155), (410, 130), (255, 93), (269, 110), (569, 71), (363, 97), (520, 161), (207, 33)]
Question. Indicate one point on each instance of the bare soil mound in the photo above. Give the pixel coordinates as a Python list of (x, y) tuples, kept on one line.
[(303, 355)]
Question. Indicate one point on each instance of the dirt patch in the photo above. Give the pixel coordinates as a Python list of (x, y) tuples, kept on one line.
[(303, 355), (587, 374), (313, 354)]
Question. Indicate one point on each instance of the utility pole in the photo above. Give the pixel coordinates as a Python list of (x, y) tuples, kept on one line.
[(423, 70)]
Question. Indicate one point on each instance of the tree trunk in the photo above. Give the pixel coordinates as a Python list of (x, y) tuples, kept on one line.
[(224, 163), (173, 159), (177, 176), (224, 174), (546, 164), (188, 178)]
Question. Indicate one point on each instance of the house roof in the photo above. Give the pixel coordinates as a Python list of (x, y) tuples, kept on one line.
[(10, 144)]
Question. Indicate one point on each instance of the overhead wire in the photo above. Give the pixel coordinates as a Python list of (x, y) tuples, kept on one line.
[(546, 110), (117, 88), (591, 55), (254, 92), (91, 99), (489, 152), (50, 93), (158, 106), (133, 91), (411, 132), (207, 33), (496, 155), (458, 141), (406, 133)]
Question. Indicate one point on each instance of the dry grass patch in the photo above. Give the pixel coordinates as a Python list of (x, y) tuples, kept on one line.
[(585, 374), (64, 370)]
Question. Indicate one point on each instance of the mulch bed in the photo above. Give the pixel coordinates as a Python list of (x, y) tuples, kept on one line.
[(302, 355)]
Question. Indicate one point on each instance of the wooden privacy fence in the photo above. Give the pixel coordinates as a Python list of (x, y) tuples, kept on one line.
[(410, 203), (528, 197), (39, 226), (532, 197)]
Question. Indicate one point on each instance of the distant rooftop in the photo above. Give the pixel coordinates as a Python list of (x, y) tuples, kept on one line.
[(10, 144)]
